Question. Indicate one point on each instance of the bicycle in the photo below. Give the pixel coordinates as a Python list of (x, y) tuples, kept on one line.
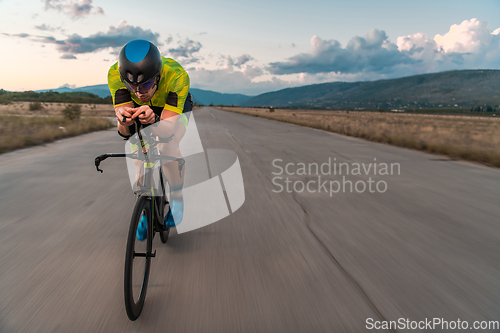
[(153, 204)]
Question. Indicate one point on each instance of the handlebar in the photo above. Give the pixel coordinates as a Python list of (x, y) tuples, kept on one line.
[(102, 157), (181, 161)]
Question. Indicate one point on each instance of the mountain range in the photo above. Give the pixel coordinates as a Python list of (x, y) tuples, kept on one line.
[(464, 88), (202, 97)]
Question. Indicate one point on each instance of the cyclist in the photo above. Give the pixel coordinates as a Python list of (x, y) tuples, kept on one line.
[(149, 87)]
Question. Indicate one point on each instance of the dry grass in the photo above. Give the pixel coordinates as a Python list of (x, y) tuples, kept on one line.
[(23, 131), (470, 138)]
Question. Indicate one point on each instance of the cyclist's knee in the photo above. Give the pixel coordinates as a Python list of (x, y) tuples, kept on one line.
[(171, 148)]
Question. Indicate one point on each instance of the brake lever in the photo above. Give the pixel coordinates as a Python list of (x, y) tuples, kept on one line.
[(98, 161)]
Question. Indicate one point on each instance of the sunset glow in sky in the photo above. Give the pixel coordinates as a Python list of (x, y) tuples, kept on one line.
[(246, 47)]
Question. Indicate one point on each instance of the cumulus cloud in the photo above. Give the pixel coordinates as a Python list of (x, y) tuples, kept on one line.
[(74, 9), (469, 36), (114, 37), (371, 53), (470, 44)]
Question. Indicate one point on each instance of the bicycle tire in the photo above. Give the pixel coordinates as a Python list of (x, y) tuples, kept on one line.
[(136, 281), (164, 233)]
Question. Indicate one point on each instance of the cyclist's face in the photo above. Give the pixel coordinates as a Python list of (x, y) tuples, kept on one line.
[(146, 97)]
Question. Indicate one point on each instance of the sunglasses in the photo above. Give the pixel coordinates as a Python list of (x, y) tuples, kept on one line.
[(143, 87)]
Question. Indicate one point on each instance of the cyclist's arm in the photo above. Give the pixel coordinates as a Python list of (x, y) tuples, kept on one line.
[(124, 110), (178, 90), (166, 127)]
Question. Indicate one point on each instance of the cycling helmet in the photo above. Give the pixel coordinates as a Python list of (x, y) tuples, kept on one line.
[(139, 63)]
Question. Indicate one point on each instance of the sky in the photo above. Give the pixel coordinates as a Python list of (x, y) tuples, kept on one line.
[(247, 47)]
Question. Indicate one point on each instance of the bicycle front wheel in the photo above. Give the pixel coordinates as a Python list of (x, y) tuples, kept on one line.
[(138, 258), (166, 231)]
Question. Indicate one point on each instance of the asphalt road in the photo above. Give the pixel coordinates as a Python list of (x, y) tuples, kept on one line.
[(427, 247)]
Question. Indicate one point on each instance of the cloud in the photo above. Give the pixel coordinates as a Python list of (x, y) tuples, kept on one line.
[(250, 80), (469, 36), (242, 59), (370, 53), (74, 9), (468, 45), (185, 48), (68, 56), (228, 80), (114, 37), (22, 35), (44, 27), (67, 85), (229, 62)]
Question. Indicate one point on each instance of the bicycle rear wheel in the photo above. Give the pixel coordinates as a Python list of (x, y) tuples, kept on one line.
[(138, 260)]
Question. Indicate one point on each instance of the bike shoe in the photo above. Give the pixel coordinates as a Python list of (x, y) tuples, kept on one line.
[(142, 228), (175, 213)]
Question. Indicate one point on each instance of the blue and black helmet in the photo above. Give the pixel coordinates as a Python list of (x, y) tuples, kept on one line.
[(139, 61)]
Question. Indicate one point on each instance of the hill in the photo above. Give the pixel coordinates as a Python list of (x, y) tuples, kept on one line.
[(205, 97), (100, 90), (464, 88)]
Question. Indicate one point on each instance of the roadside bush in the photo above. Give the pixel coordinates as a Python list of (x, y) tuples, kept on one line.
[(72, 111), (35, 106)]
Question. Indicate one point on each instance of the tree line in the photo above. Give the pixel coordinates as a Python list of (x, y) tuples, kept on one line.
[(7, 97), (482, 108)]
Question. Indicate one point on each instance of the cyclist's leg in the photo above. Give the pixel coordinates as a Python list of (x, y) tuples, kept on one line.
[(175, 180), (171, 169)]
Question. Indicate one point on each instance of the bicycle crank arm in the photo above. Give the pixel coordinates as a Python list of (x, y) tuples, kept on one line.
[(181, 162)]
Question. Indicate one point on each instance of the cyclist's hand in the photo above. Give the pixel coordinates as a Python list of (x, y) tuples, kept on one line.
[(124, 115), (145, 114)]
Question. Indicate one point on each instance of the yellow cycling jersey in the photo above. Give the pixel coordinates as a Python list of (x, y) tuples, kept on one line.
[(171, 93)]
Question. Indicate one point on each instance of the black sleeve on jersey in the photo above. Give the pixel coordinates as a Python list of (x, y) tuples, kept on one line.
[(122, 96), (172, 99)]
